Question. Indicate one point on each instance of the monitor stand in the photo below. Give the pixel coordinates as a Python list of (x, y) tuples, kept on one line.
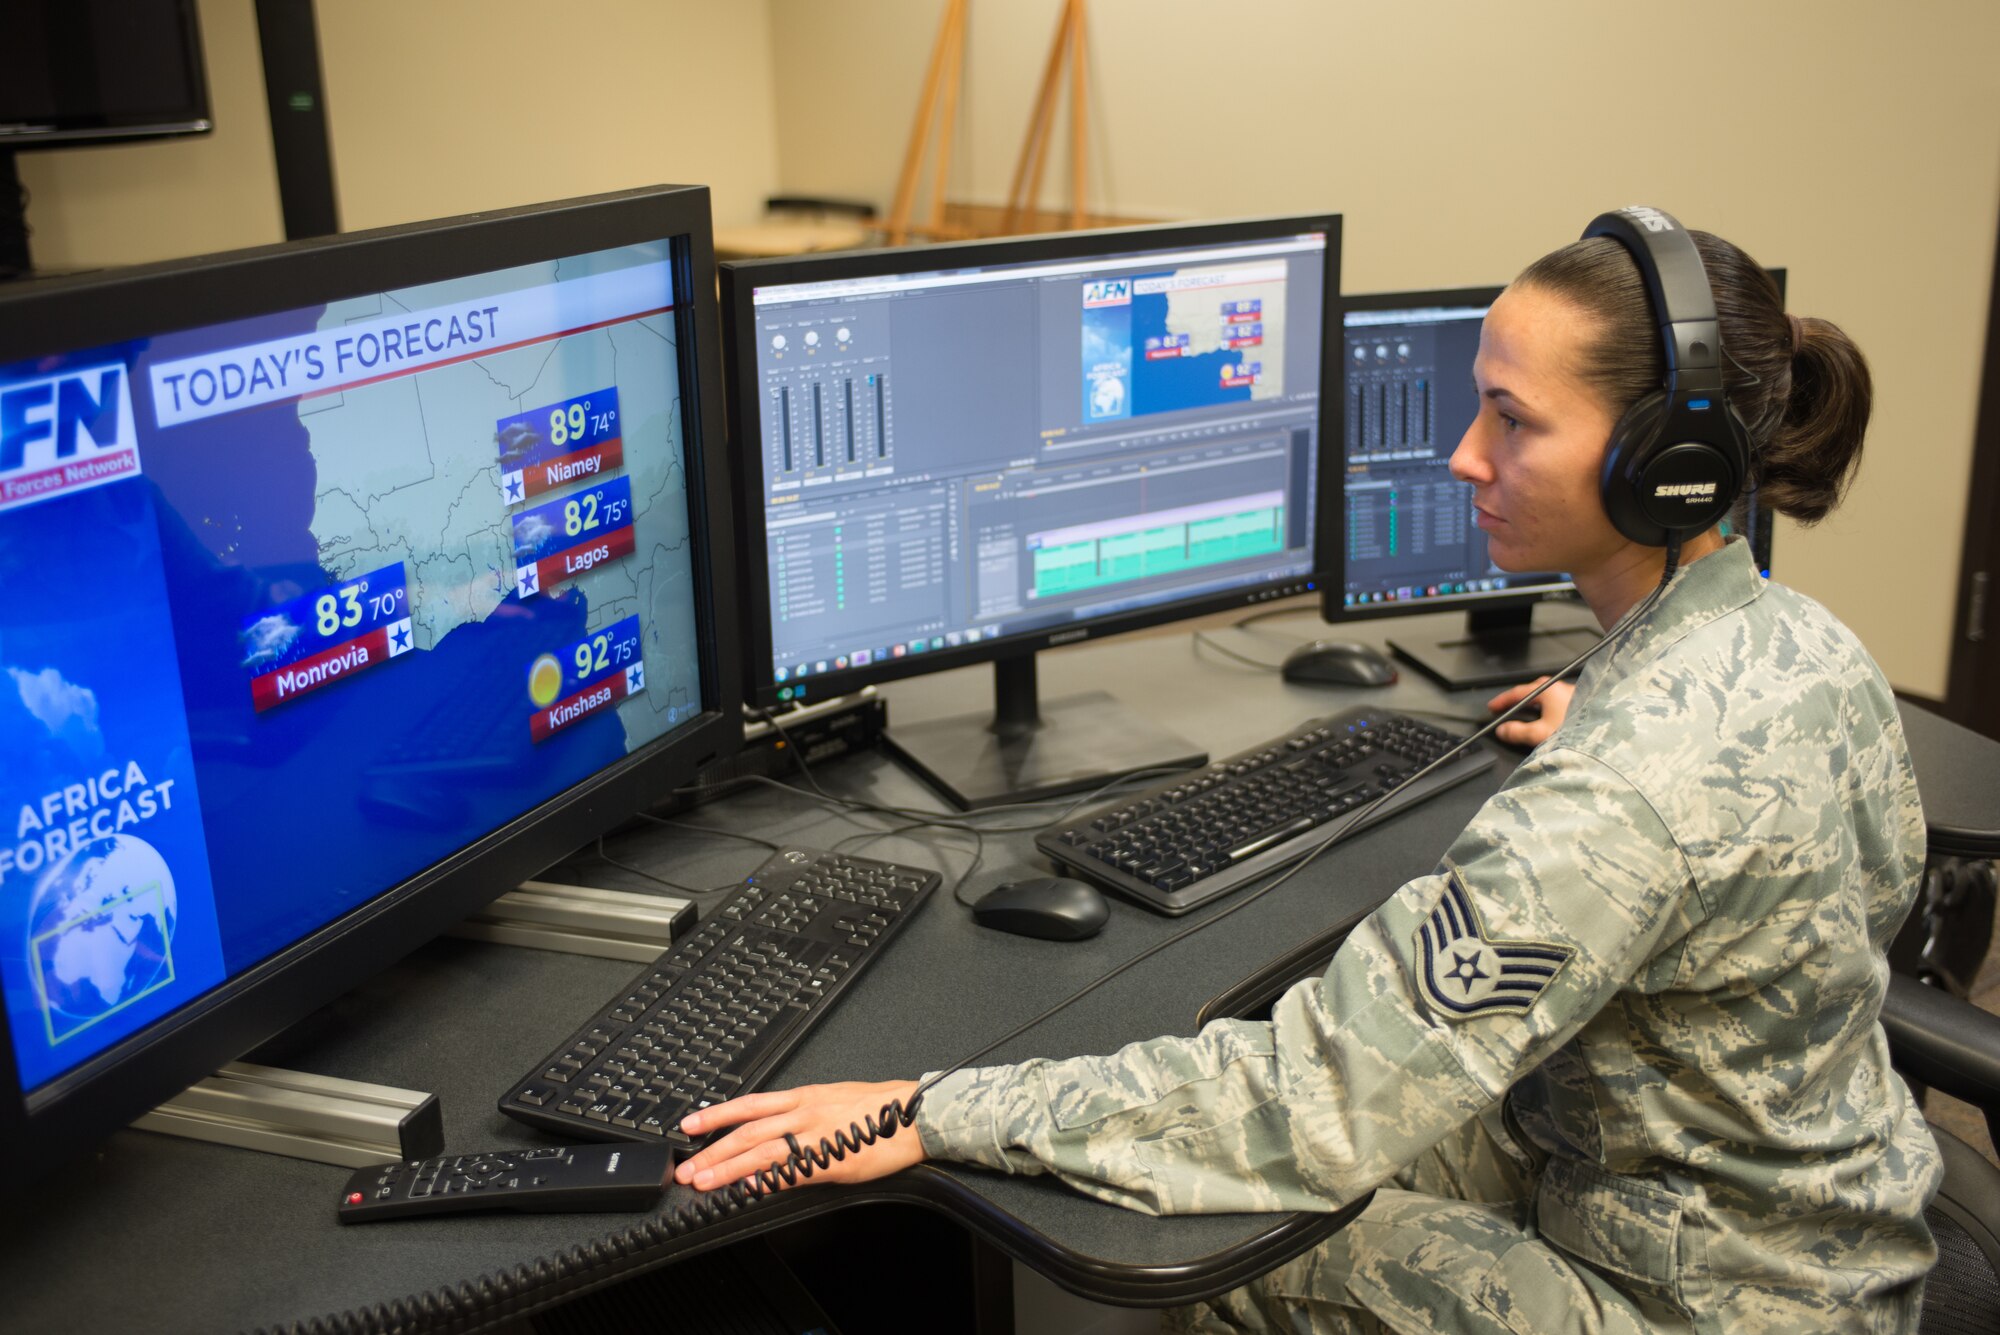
[(1031, 749), (318, 1117), (1500, 647), (582, 920)]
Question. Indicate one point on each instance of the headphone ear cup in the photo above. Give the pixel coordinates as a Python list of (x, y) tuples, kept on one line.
[(1625, 456), (1656, 488)]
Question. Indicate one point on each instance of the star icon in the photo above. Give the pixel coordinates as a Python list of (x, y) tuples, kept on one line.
[(400, 637), (513, 486), (527, 581), (635, 679), (1465, 971)]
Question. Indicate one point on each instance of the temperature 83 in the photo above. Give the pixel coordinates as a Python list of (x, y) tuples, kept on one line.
[(343, 608)]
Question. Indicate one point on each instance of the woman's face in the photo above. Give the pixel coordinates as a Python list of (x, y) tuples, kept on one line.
[(1532, 454)]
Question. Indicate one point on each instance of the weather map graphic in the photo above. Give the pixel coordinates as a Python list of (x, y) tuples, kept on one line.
[(424, 469), (1196, 337), (101, 930)]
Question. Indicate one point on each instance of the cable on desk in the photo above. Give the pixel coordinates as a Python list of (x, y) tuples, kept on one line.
[(675, 886), (1271, 612), (1203, 639), (709, 830)]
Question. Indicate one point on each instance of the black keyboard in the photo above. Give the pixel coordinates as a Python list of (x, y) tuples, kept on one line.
[(1185, 841), (713, 1015)]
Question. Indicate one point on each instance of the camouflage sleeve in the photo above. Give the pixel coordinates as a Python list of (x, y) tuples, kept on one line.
[(1563, 885)]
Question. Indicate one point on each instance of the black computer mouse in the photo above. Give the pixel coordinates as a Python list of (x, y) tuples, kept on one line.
[(1054, 908), (1338, 663)]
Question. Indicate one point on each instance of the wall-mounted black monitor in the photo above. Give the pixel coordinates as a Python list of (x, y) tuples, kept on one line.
[(966, 453), (91, 72), (1407, 542), (347, 584), (99, 71)]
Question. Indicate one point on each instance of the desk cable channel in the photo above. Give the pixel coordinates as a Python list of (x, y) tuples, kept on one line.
[(475, 1303)]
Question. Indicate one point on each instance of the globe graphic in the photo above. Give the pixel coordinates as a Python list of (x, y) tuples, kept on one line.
[(100, 927)]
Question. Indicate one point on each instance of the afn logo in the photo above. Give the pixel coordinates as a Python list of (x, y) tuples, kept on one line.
[(1651, 219), (1108, 292), (65, 432)]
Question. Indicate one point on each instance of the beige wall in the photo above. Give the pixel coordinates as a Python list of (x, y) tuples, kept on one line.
[(446, 106), (1855, 142), (131, 203)]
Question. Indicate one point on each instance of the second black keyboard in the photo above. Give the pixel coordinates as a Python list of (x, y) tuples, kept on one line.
[(1181, 843), (716, 1012)]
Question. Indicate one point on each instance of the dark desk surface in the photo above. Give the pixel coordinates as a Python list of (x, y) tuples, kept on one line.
[(183, 1235)]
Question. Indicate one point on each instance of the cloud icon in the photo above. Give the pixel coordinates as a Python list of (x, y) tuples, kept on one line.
[(67, 710), (518, 443), (530, 532), (267, 639)]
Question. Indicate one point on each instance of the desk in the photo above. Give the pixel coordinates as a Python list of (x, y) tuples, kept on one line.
[(187, 1236)]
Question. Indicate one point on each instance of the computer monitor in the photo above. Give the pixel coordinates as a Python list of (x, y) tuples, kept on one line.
[(967, 453), (347, 584), (99, 71), (1407, 541)]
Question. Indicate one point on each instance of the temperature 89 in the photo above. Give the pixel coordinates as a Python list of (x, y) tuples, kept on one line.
[(577, 421)]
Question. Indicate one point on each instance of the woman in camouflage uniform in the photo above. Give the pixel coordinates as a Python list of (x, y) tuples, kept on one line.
[(1615, 1065)]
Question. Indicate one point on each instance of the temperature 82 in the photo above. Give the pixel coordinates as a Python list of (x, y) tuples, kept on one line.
[(592, 509)]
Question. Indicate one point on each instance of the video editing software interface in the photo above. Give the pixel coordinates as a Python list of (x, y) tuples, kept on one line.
[(955, 456), (1409, 533), (300, 605)]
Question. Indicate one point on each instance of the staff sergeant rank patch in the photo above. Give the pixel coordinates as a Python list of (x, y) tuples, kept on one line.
[(1465, 972)]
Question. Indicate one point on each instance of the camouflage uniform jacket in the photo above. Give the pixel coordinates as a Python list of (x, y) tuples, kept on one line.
[(1661, 943)]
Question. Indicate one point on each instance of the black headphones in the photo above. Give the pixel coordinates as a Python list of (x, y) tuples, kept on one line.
[(1680, 456)]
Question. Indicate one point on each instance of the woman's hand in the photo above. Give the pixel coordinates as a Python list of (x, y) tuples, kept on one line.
[(1554, 704), (810, 1112)]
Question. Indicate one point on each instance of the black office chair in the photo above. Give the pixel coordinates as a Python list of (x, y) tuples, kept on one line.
[(1939, 1041)]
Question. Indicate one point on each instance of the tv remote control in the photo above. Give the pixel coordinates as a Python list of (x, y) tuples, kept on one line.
[(552, 1179)]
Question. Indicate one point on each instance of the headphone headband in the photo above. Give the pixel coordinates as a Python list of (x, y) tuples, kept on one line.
[(1679, 457), (1677, 286)]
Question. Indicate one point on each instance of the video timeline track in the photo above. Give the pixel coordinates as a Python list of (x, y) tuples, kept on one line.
[(866, 576)]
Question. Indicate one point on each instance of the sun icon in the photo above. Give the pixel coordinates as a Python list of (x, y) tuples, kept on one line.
[(544, 680)]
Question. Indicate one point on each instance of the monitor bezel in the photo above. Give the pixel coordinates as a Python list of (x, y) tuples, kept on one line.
[(71, 1111), (740, 279), (195, 118)]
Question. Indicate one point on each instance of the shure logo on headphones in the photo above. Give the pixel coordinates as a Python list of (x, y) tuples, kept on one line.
[(1651, 219), (1692, 490)]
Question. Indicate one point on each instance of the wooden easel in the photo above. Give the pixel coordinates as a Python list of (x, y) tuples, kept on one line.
[(946, 68), (941, 81), (1034, 150)]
